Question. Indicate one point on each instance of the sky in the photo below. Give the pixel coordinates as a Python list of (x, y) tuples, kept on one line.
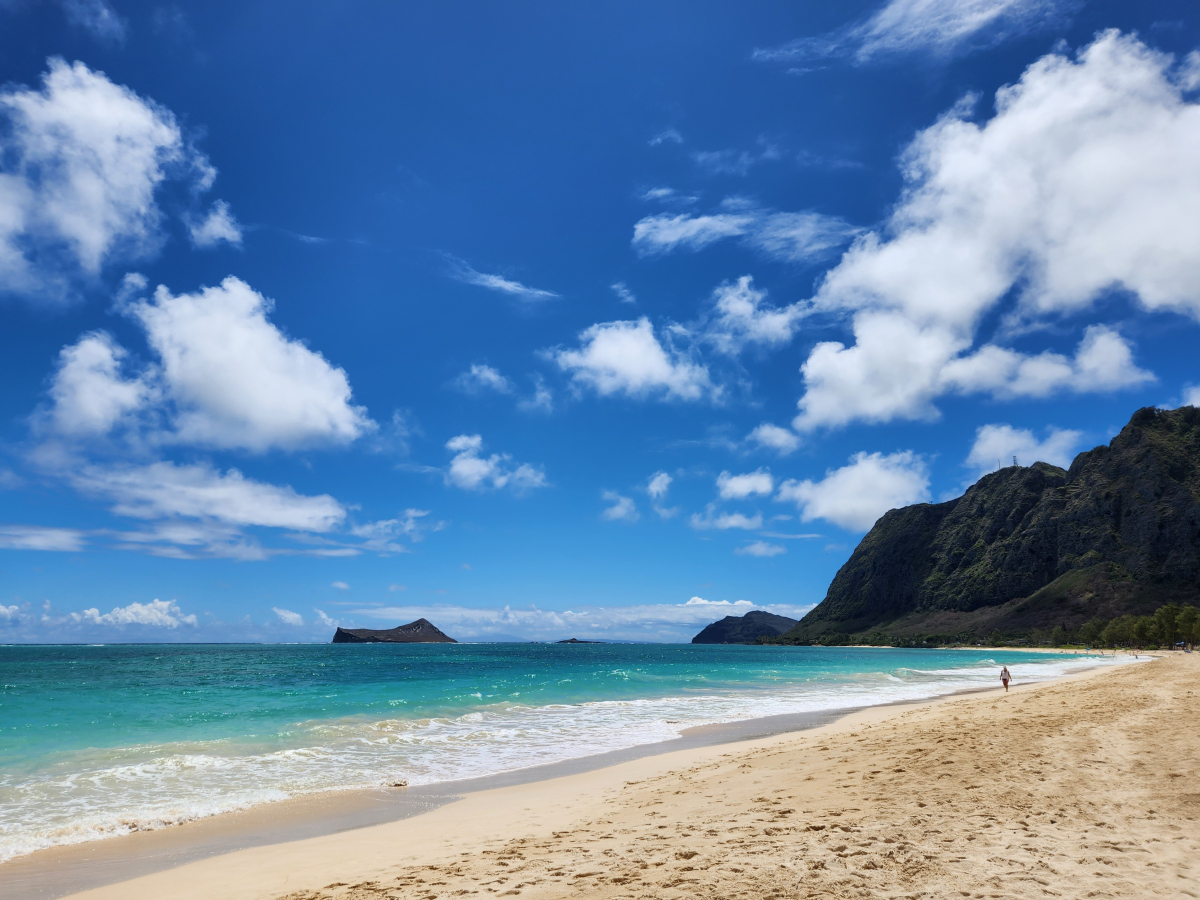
[(549, 320)]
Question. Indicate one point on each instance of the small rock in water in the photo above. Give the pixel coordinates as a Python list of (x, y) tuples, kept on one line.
[(398, 782)]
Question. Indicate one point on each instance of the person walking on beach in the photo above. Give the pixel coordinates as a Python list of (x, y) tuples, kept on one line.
[(1005, 678)]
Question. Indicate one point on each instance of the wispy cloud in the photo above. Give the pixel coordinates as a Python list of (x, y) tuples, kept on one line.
[(934, 27), (461, 271), (787, 236)]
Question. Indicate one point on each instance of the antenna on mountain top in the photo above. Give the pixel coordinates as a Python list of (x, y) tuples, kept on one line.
[(1014, 460)]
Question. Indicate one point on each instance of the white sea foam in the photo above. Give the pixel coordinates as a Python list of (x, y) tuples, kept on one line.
[(115, 792)]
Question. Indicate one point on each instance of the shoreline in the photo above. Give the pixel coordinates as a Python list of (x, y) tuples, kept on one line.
[(67, 869)]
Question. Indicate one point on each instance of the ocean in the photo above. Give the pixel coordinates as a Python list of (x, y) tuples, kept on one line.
[(99, 741)]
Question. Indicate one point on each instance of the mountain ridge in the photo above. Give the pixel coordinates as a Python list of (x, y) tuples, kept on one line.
[(1030, 546)]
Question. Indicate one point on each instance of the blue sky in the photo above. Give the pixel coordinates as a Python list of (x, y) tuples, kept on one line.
[(546, 321)]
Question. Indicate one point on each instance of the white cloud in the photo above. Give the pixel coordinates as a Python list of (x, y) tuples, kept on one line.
[(996, 445), (751, 484), (725, 521), (9, 613), (644, 622), (857, 494), (542, 400), (97, 17), (89, 394), (781, 440), (287, 616), (936, 27), (657, 487), (786, 236), (1191, 396), (38, 537), (340, 585), (741, 318), (722, 604), (659, 484), (80, 163), (381, 536), (623, 509), (896, 369), (733, 162), (166, 490), (156, 613), (236, 380), (760, 548), (325, 620), (219, 225), (670, 136), (481, 378), (1082, 182), (624, 294), (471, 471), (627, 358), (464, 273)]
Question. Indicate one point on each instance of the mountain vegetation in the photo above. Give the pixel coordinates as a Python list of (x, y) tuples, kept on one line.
[(745, 629), (1030, 549)]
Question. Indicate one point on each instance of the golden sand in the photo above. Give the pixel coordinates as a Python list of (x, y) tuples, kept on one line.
[(1088, 787)]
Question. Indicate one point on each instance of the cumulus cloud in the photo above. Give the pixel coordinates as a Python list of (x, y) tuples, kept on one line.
[(760, 548), (480, 378), (236, 381), (156, 613), (857, 494), (471, 471), (219, 225), (89, 394), (540, 401), (81, 161), (723, 521), (935, 27), (325, 620), (627, 358), (622, 509), (39, 537), (787, 236), (460, 271), (1191, 396), (781, 440), (750, 484), (996, 445), (1083, 182), (287, 617), (742, 318)]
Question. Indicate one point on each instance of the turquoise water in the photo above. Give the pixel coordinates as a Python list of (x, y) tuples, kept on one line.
[(100, 741)]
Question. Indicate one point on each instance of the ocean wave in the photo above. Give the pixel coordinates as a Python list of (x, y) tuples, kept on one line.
[(123, 790)]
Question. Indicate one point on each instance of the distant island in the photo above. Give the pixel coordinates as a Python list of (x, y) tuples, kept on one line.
[(421, 631), (1030, 549), (577, 641), (745, 629)]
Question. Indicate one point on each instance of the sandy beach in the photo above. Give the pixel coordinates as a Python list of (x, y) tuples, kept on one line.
[(1079, 788)]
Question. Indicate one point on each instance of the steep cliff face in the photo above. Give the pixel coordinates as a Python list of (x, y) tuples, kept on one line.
[(1033, 546)]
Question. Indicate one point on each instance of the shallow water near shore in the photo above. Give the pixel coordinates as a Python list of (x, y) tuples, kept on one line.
[(99, 741)]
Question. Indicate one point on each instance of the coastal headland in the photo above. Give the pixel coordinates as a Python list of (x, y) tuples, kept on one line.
[(1081, 787)]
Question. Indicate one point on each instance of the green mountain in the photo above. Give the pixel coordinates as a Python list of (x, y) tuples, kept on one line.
[(1031, 547)]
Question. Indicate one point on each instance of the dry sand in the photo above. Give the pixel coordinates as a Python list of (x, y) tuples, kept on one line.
[(1081, 788)]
